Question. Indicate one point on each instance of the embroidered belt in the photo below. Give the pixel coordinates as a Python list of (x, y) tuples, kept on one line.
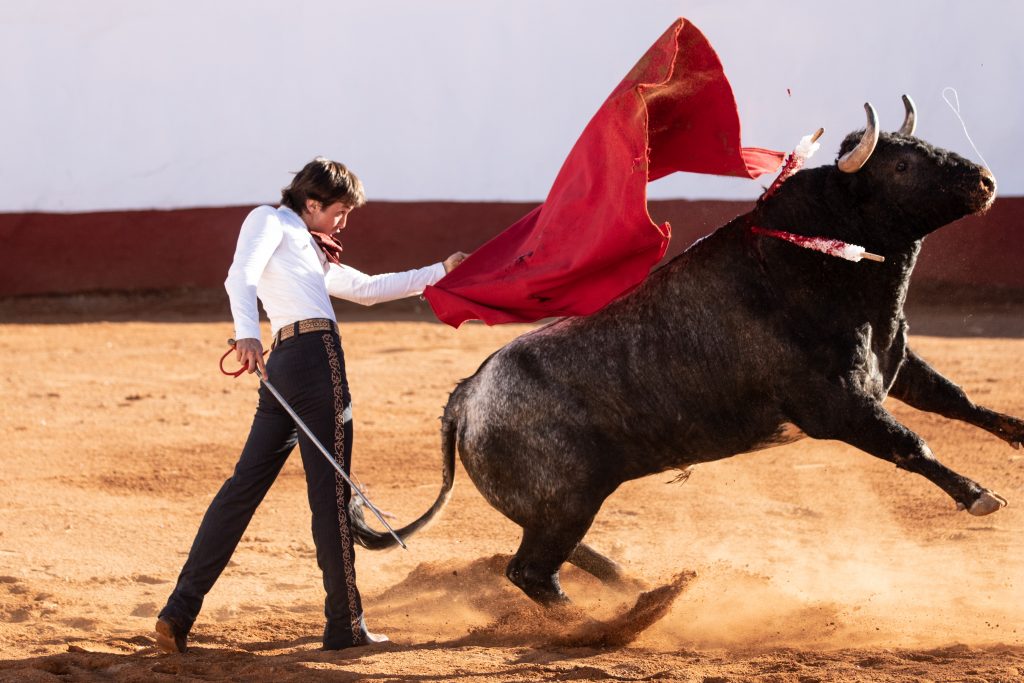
[(304, 326)]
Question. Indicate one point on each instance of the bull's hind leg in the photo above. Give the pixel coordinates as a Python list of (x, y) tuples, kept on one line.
[(597, 565), (543, 550)]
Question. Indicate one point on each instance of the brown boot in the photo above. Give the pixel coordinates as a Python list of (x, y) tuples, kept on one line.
[(170, 637)]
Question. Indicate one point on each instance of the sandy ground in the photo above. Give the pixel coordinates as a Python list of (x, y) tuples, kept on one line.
[(814, 561)]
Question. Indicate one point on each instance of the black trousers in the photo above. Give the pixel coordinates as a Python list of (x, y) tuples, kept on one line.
[(309, 371)]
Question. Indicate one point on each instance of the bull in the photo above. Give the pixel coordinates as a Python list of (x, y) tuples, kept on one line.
[(740, 343)]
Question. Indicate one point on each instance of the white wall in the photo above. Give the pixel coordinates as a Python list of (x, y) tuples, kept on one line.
[(118, 104)]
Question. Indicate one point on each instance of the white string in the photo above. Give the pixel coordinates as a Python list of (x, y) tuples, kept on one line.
[(955, 106)]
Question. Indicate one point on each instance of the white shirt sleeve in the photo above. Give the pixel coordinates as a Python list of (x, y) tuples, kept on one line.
[(259, 237), (350, 284)]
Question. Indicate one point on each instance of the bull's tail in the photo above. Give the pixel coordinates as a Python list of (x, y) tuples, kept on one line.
[(377, 540)]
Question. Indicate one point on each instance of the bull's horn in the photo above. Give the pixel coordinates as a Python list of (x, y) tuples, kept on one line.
[(852, 161), (910, 121)]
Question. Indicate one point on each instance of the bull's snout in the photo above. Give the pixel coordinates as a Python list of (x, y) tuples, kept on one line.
[(988, 182), (986, 192)]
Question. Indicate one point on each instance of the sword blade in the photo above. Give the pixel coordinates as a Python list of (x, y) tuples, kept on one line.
[(330, 458)]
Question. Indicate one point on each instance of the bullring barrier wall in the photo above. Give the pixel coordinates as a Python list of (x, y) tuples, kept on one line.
[(122, 251)]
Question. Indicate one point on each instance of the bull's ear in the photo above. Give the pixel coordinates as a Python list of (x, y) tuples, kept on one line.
[(910, 120), (852, 161)]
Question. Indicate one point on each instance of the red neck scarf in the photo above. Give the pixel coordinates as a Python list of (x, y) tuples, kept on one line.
[(328, 245)]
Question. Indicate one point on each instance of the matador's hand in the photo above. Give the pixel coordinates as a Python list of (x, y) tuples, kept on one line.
[(454, 260), (249, 353)]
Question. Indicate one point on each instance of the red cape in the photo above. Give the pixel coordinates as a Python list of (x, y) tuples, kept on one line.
[(592, 238)]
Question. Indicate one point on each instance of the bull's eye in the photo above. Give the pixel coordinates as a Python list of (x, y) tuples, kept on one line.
[(901, 166)]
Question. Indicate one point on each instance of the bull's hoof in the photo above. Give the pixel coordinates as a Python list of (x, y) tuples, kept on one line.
[(541, 587), (987, 503)]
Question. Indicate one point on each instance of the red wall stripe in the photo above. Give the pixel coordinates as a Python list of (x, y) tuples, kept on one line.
[(46, 253)]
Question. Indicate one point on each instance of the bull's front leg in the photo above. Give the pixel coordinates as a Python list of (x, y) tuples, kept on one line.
[(921, 386), (861, 421)]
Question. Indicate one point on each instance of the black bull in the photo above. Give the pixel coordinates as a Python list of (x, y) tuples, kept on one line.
[(740, 343)]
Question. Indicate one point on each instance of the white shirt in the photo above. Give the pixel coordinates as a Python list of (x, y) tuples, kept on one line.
[(277, 261)]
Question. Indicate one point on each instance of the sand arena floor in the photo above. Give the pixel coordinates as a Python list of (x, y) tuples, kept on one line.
[(815, 562)]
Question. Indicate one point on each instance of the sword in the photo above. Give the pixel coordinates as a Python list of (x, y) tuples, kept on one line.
[(316, 442)]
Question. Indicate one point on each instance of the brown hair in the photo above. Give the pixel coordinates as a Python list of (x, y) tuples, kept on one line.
[(325, 181)]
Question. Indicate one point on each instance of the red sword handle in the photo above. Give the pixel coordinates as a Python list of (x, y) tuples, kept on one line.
[(231, 343)]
